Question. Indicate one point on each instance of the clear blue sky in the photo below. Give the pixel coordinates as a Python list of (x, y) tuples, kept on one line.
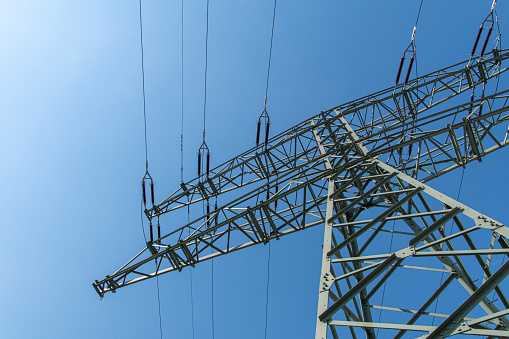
[(72, 151)]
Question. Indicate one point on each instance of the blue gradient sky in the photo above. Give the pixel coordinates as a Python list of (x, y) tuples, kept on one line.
[(72, 151)]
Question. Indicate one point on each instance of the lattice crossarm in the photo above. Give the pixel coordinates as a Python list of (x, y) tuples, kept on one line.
[(377, 114), (245, 221)]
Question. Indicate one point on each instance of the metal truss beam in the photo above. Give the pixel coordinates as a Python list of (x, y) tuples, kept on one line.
[(361, 170)]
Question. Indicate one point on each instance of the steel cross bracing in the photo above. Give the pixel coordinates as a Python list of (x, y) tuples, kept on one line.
[(360, 169)]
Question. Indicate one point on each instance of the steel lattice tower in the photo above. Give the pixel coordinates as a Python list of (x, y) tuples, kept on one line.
[(360, 171)]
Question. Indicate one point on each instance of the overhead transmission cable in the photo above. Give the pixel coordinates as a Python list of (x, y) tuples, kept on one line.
[(143, 88), (487, 24), (409, 53), (412, 51), (147, 182), (204, 157), (265, 119), (267, 299), (442, 274), (264, 116), (383, 292), (182, 95), (182, 152), (147, 179), (203, 151)]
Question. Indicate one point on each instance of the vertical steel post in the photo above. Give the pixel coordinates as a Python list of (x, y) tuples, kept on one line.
[(326, 277)]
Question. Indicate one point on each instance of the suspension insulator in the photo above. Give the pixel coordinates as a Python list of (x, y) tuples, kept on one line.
[(486, 41), (476, 41), (471, 101), (410, 150), (208, 163), (409, 69), (158, 230), (144, 192), (258, 125), (400, 68), (199, 164), (151, 231), (267, 125), (152, 192), (268, 194), (275, 203), (217, 214), (207, 216)]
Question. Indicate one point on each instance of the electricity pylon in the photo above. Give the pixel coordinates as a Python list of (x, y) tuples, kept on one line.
[(360, 170)]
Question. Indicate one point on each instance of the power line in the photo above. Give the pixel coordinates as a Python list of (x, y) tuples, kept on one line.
[(418, 14), (159, 304), (191, 274), (145, 123), (266, 140), (442, 275), (147, 175), (412, 49), (203, 151), (270, 52), (182, 152), (143, 85), (212, 276), (182, 97), (504, 24), (383, 292), (206, 64), (267, 300), (264, 116)]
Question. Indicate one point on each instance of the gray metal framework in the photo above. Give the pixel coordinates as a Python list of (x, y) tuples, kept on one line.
[(360, 170)]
